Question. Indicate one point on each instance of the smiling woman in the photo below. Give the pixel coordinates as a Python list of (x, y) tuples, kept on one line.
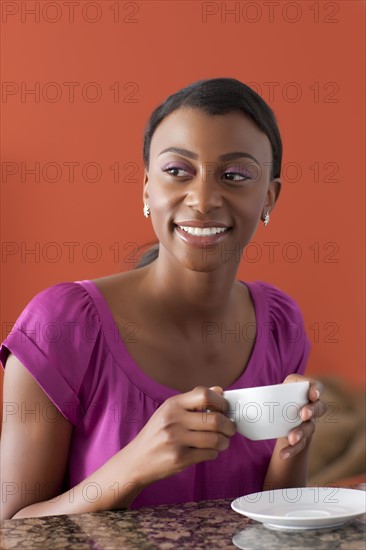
[(131, 396)]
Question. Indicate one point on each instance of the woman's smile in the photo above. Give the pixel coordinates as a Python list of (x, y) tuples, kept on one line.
[(198, 234)]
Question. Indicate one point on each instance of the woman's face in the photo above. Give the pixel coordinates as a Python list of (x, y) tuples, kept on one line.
[(217, 176)]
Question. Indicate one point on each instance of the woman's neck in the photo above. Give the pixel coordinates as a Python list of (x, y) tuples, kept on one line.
[(188, 297)]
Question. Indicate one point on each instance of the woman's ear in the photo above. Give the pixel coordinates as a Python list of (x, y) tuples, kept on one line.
[(145, 194), (274, 190)]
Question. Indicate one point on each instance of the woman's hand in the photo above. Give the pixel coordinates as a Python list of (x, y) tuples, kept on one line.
[(181, 433), (300, 437)]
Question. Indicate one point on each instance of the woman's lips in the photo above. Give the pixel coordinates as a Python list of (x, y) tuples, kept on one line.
[(200, 241)]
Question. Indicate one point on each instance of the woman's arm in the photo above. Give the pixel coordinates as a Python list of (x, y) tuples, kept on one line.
[(35, 451), (100, 491), (35, 445), (289, 462)]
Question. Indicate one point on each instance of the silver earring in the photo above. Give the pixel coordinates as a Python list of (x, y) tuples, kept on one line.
[(146, 210), (266, 219)]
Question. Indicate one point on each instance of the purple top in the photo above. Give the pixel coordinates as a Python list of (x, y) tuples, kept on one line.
[(68, 340)]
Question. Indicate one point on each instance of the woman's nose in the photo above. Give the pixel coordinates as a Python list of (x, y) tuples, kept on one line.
[(204, 191)]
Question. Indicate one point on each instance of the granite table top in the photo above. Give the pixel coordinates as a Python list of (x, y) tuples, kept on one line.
[(194, 525)]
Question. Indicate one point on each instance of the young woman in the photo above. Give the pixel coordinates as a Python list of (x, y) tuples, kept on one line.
[(108, 381)]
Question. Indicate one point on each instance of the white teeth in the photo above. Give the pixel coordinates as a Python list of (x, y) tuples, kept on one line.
[(202, 231)]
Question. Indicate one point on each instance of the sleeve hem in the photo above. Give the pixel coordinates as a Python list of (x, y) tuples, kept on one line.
[(53, 384)]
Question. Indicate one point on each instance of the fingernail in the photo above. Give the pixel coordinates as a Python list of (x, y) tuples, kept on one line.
[(317, 392), (286, 455), (298, 437)]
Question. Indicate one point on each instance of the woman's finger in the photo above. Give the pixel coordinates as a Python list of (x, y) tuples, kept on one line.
[(202, 399), (202, 421), (217, 389), (205, 440), (298, 439), (315, 390), (313, 410), (305, 430)]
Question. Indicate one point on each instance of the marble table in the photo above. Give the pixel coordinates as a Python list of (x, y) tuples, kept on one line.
[(206, 524)]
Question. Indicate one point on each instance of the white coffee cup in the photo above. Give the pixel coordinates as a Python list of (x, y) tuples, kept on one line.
[(267, 412)]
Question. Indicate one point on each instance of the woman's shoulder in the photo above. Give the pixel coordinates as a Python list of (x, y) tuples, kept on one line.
[(63, 290), (283, 321), (58, 337), (281, 305), (64, 298), (64, 306)]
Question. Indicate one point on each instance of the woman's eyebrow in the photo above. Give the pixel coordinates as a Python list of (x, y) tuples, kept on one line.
[(190, 154)]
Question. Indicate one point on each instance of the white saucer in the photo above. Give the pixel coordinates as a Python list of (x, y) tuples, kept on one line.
[(303, 507)]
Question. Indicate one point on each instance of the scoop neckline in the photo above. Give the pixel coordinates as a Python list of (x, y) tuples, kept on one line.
[(150, 387)]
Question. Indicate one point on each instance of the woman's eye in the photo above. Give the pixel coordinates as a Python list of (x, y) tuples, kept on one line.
[(238, 176), (170, 169), (173, 171), (237, 172)]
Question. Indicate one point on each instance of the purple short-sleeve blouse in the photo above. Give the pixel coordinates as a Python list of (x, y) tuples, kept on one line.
[(68, 340)]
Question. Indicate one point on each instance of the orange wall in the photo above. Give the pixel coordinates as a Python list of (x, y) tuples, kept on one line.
[(306, 60)]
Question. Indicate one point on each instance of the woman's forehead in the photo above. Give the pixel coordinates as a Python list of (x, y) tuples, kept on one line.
[(198, 131)]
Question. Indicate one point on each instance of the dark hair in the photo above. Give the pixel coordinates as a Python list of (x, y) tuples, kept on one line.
[(216, 96)]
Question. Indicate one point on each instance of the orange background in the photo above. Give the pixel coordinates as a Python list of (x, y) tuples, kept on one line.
[(311, 52)]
